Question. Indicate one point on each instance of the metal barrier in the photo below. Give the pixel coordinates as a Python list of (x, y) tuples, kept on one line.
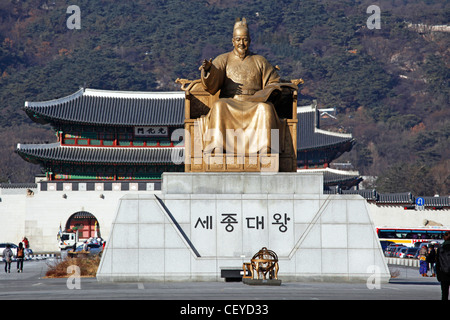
[(403, 262)]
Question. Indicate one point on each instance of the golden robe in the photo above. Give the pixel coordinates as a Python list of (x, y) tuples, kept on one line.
[(242, 119)]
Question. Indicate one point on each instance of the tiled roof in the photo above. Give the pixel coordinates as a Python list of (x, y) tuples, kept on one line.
[(436, 201), (334, 177), (131, 108), (368, 194), (310, 136), (382, 198), (99, 155), (103, 107), (83, 215), (18, 185), (404, 198)]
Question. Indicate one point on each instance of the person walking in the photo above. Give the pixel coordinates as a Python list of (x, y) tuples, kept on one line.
[(7, 256), (20, 257), (443, 265), (26, 243), (431, 260), (423, 269)]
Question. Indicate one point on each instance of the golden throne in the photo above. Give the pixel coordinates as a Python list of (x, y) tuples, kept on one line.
[(197, 104)]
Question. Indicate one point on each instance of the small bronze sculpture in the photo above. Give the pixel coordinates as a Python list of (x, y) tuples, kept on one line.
[(263, 263)]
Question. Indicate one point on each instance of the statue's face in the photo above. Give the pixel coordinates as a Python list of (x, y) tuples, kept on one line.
[(241, 40)]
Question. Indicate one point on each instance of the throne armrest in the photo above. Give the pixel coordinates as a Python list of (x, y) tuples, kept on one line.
[(198, 101)]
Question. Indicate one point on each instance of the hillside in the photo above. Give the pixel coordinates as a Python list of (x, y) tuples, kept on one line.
[(390, 86)]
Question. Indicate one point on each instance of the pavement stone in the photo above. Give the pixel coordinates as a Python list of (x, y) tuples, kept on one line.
[(32, 285)]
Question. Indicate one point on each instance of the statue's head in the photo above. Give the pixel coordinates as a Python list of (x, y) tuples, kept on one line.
[(241, 37)]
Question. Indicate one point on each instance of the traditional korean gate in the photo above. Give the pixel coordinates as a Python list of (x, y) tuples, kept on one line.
[(85, 224)]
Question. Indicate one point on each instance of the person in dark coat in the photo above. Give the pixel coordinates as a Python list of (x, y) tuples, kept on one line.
[(7, 256), (442, 276), (20, 257), (431, 259)]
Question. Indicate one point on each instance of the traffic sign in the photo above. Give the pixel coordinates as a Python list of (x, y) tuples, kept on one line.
[(420, 203)]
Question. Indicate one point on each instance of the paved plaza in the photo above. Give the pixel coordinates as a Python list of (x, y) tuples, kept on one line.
[(32, 285)]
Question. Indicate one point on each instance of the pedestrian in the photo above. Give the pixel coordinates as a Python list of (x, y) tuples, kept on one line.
[(7, 256), (20, 257), (431, 260), (26, 242), (443, 265), (423, 269), (85, 246)]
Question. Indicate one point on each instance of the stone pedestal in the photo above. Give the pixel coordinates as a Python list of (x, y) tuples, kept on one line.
[(203, 222)]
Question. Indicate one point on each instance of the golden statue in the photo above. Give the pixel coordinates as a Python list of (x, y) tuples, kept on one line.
[(242, 119), (245, 81)]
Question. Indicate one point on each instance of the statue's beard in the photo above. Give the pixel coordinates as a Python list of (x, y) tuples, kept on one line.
[(240, 52)]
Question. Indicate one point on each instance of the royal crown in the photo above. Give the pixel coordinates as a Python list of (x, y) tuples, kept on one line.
[(240, 23)]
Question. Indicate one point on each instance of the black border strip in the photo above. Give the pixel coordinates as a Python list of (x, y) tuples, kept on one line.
[(178, 227)]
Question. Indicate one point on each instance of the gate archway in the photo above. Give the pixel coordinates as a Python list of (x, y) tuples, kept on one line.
[(85, 223)]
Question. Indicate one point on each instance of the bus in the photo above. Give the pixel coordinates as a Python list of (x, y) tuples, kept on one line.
[(410, 236)]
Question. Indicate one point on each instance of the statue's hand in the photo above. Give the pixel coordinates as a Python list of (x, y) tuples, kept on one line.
[(206, 65)]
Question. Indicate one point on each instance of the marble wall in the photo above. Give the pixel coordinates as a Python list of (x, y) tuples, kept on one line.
[(203, 222)]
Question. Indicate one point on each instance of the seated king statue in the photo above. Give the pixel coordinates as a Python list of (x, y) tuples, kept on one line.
[(243, 111)]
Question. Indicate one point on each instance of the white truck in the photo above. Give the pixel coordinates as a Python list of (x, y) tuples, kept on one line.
[(69, 240)]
